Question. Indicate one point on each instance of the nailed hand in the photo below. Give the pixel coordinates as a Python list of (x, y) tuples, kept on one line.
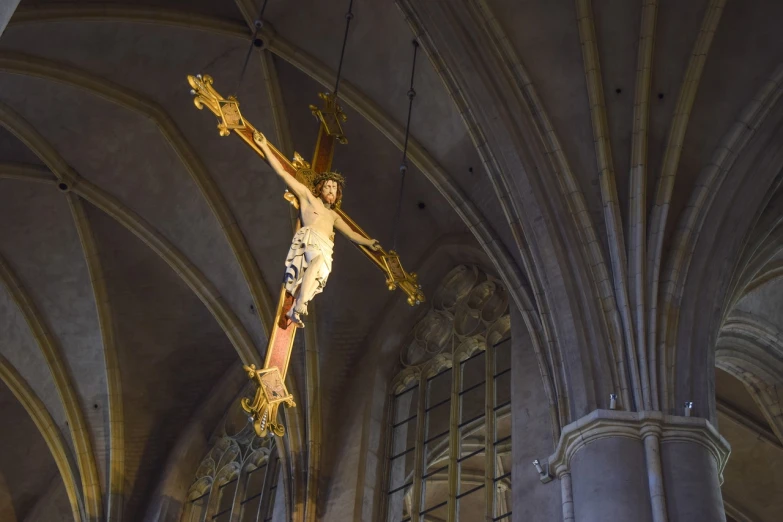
[(259, 138)]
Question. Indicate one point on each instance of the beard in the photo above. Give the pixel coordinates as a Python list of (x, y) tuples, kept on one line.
[(326, 199)]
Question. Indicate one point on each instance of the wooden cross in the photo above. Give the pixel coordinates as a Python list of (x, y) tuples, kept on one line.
[(271, 392)]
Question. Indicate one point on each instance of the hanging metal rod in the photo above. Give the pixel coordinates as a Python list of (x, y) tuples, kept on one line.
[(254, 41), (404, 162), (348, 18)]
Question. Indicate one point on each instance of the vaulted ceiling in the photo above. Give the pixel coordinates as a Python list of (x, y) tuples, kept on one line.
[(127, 295)]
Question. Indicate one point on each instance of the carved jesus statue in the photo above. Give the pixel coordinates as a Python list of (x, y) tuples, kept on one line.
[(309, 259)]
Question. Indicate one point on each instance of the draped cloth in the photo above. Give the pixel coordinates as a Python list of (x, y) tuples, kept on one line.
[(307, 244)]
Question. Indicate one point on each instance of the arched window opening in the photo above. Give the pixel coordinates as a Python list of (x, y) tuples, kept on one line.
[(449, 437), (236, 481)]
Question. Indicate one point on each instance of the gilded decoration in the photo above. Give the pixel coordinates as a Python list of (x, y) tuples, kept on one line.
[(298, 290), (270, 394), (300, 176), (331, 116), (236, 448)]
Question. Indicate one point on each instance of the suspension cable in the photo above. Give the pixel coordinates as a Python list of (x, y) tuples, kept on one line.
[(404, 162), (254, 42), (348, 18)]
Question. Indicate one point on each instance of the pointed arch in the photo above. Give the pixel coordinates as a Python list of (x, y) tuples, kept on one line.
[(51, 351), (189, 273), (49, 431)]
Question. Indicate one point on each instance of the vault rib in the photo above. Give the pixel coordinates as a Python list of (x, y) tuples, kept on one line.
[(751, 349), (467, 211), (279, 115), (665, 186), (189, 273), (24, 172), (637, 211), (571, 191), (763, 244), (51, 351), (637, 361), (131, 13), (113, 376), (769, 273), (689, 226), (534, 308), (740, 418), (34, 66), (49, 431)]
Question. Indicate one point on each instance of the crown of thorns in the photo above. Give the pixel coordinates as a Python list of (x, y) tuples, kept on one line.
[(329, 176)]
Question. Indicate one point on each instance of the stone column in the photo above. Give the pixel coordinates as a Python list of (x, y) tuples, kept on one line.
[(643, 467), (7, 8)]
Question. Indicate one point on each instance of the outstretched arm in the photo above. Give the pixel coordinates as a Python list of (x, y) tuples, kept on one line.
[(343, 227), (294, 185)]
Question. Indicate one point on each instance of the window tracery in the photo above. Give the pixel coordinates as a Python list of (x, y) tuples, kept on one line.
[(449, 436), (236, 481)]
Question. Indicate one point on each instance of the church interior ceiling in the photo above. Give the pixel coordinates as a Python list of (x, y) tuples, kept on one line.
[(126, 301)]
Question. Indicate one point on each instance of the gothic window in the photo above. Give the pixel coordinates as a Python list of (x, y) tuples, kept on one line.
[(198, 508), (449, 437), (237, 480)]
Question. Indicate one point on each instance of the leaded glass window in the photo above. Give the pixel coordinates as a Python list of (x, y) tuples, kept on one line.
[(449, 437), (237, 480)]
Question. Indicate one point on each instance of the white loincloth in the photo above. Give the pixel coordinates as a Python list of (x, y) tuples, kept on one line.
[(306, 245)]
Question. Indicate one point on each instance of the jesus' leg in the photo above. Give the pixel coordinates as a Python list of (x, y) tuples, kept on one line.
[(309, 287)]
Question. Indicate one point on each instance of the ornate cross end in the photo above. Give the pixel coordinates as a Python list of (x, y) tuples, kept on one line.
[(304, 172), (227, 109), (270, 394), (331, 116), (397, 277)]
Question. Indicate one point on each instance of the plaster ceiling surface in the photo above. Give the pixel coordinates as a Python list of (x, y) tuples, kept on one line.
[(171, 351), (19, 490), (19, 347), (734, 393), (754, 493), (747, 402), (765, 302), (14, 151), (777, 258), (208, 7), (747, 398), (131, 130), (547, 42), (378, 62), (728, 83), (55, 505), (39, 241), (126, 154)]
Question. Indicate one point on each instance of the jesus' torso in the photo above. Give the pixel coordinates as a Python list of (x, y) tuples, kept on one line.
[(317, 216)]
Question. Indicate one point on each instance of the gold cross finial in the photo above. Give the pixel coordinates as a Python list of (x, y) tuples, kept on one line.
[(331, 116), (227, 109)]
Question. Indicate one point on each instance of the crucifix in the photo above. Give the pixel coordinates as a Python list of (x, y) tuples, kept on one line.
[(316, 192)]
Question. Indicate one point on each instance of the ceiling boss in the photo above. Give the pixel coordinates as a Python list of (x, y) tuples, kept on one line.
[(316, 192)]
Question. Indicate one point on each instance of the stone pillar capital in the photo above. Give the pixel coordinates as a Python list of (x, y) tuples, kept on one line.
[(601, 424)]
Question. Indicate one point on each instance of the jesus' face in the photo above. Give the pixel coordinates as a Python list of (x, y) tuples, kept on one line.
[(329, 192)]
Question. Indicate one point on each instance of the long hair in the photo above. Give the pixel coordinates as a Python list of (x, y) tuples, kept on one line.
[(319, 187)]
